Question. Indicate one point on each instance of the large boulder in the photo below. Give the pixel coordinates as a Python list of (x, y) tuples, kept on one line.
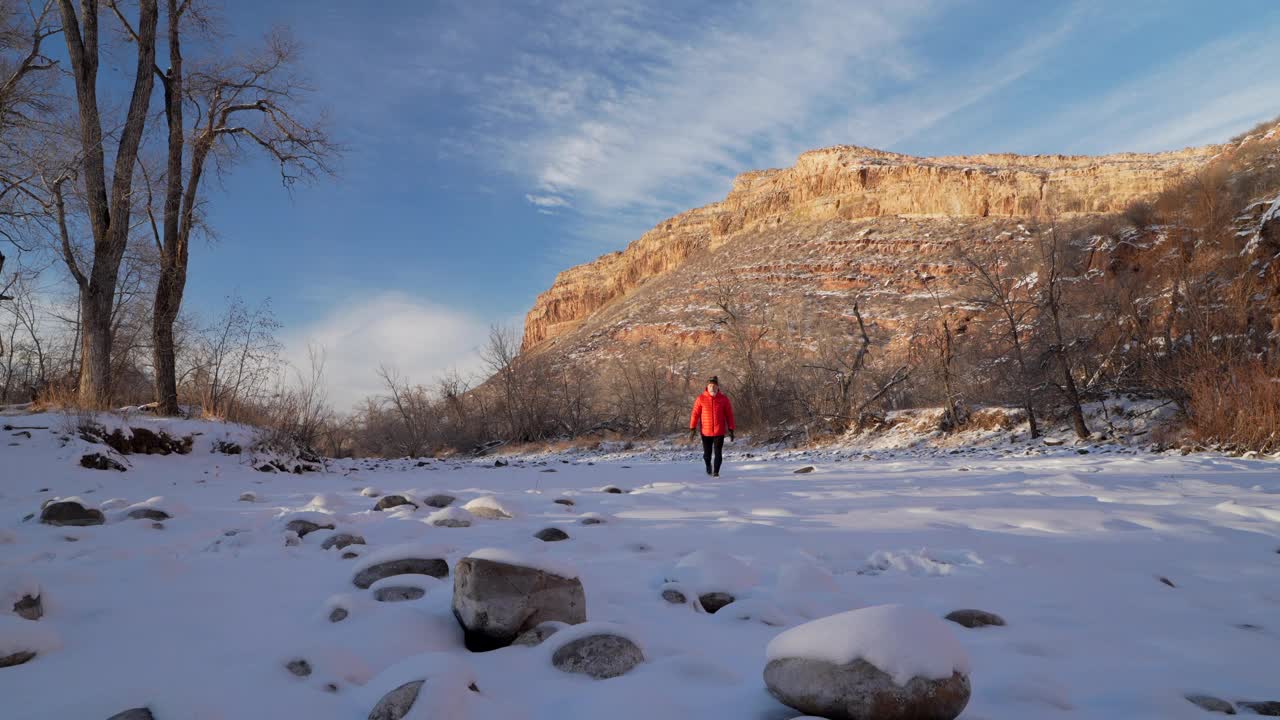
[(601, 656), (497, 599), (70, 512), (881, 663)]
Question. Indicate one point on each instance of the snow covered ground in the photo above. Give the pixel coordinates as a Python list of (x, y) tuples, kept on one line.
[(1127, 579)]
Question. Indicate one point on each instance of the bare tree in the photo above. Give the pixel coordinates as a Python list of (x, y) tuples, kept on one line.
[(412, 406), (1052, 286), (943, 340), (253, 100), (746, 327), (109, 207), (1010, 299)]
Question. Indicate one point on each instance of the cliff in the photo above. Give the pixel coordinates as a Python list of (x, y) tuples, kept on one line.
[(842, 220)]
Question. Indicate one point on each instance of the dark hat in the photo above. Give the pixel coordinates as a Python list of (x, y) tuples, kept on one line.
[(715, 380)]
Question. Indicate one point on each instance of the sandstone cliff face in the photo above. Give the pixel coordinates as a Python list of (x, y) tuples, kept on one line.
[(842, 220)]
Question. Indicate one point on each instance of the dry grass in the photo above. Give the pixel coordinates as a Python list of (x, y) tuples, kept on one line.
[(1237, 405)]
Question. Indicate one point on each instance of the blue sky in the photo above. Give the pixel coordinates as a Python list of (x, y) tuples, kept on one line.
[(492, 144)]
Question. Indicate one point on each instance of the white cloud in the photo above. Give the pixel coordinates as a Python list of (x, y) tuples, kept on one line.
[(420, 340), (547, 201)]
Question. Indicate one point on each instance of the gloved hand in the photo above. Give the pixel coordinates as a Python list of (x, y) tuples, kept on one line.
[(730, 436), (693, 434)]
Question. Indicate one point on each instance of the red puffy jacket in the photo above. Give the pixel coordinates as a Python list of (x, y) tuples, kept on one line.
[(715, 411)]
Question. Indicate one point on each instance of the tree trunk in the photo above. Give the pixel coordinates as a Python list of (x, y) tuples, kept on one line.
[(173, 249), (95, 349)]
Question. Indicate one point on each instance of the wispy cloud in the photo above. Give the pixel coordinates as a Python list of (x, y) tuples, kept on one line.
[(547, 201), (1204, 96), (420, 340)]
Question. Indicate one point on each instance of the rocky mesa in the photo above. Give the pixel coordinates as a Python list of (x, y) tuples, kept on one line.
[(843, 220)]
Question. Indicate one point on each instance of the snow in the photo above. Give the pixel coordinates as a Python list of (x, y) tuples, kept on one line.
[(528, 560), (903, 642), (489, 502), (196, 620)]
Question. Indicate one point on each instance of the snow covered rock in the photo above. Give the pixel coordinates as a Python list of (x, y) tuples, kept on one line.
[(551, 534), (570, 503), (370, 492), (29, 607), (613, 490), (601, 655), (711, 571), (498, 595), (139, 713), (100, 461), (1212, 704), (248, 497), (974, 618), (450, 517), (397, 703), (536, 636), (804, 470), (594, 518), (713, 601), (887, 662), (491, 508), (22, 641), (303, 527), (298, 667), (70, 512), (674, 596), (387, 502), (398, 593), (1268, 708), (372, 569), (439, 500), (341, 540), (148, 513)]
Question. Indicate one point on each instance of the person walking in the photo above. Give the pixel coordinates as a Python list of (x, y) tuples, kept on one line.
[(713, 416)]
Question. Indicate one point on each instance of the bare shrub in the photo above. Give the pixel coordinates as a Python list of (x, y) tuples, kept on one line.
[(1236, 402)]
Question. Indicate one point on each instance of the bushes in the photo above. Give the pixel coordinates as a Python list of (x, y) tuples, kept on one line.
[(1236, 402)]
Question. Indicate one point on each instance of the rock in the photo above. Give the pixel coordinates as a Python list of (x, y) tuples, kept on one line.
[(397, 703), (1167, 581), (489, 508), (304, 527), (974, 618), (535, 636), (675, 597), (248, 497), (341, 540), (338, 615), (861, 691), (1268, 708), (614, 490), (551, 534), (350, 555), (389, 501), (713, 601), (1212, 704), (435, 567), (398, 593), (18, 658), (601, 656), (133, 714), (592, 519), (439, 501), (548, 470), (450, 517), (291, 539), (70, 512), (226, 447), (148, 514), (803, 470), (370, 492), (157, 526), (98, 461), (1053, 442), (499, 463), (298, 667), (496, 601), (29, 608), (570, 503)]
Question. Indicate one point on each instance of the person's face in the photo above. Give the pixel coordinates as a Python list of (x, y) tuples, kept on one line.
[(713, 388)]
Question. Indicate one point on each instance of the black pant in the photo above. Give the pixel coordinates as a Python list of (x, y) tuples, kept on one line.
[(710, 443)]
